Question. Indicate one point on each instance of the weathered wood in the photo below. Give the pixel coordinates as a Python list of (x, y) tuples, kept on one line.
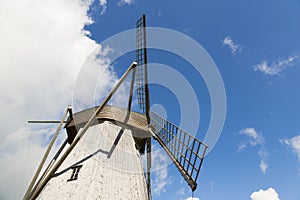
[(81, 133), (187, 159), (109, 170), (52, 162), (44, 121), (26, 196)]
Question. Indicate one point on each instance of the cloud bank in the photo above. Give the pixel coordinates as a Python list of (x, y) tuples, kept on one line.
[(43, 45)]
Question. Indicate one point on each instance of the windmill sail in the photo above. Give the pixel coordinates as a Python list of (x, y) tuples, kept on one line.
[(186, 151), (141, 74)]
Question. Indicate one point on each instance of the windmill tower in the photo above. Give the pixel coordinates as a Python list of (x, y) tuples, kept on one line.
[(101, 157)]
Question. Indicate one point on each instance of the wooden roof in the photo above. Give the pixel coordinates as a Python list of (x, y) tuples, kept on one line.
[(135, 121), (117, 114)]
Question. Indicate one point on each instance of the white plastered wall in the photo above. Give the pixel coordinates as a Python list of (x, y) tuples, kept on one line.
[(106, 172)]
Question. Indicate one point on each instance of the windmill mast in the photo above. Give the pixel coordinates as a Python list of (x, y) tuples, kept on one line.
[(142, 85), (142, 67)]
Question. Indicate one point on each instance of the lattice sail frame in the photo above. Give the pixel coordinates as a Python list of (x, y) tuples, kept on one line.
[(186, 151), (141, 69)]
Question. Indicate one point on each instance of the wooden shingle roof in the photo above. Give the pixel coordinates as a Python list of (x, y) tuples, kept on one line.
[(117, 115)]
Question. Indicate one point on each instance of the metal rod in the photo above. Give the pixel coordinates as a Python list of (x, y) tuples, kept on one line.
[(45, 155), (44, 121), (80, 134)]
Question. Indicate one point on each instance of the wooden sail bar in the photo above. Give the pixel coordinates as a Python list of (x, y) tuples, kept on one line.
[(186, 151), (141, 74)]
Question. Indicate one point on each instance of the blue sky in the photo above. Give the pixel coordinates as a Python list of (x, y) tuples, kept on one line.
[(255, 45)]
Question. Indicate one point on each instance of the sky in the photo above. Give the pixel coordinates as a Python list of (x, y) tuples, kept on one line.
[(255, 46)]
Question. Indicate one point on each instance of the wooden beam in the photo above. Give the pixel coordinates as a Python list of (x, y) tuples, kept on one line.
[(45, 121), (52, 162), (80, 134), (26, 196)]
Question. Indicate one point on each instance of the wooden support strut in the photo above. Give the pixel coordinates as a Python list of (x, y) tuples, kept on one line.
[(80, 135), (131, 90), (52, 162), (46, 154)]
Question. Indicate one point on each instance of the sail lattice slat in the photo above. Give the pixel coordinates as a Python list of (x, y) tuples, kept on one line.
[(186, 151), (141, 59)]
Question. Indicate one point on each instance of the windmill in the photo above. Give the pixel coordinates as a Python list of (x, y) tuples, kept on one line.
[(104, 170)]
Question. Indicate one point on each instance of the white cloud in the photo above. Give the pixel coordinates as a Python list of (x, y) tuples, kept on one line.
[(122, 2), (233, 47), (161, 181), (103, 4), (181, 191), (275, 67), (293, 143), (263, 154), (192, 198), (241, 147), (256, 138), (263, 166), (95, 80), (160, 168), (269, 194), (43, 46)]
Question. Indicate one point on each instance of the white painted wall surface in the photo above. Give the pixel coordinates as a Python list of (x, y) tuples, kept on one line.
[(119, 177)]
